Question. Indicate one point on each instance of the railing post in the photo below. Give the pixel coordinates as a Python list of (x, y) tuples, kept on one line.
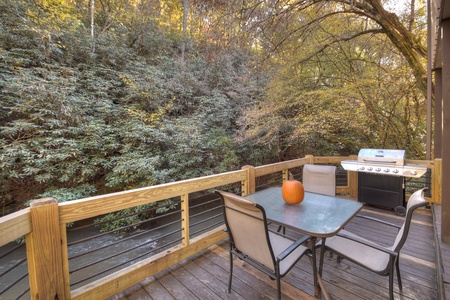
[(436, 182), (185, 219), (249, 185), (311, 158), (352, 178), (45, 268), (285, 175)]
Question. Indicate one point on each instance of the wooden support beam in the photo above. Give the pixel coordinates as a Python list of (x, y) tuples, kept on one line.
[(436, 182), (45, 269), (353, 180), (445, 131), (185, 218), (249, 185), (437, 150)]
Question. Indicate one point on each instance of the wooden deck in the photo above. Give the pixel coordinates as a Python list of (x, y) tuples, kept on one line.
[(205, 276)]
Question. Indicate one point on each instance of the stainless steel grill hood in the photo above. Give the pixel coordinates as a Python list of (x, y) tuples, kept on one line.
[(384, 161)]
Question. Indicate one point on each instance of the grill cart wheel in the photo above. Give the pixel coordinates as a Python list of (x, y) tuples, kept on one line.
[(400, 210)]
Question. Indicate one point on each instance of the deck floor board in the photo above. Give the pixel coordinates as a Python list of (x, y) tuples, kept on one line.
[(205, 276)]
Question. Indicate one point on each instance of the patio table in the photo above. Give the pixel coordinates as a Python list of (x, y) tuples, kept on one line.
[(319, 216)]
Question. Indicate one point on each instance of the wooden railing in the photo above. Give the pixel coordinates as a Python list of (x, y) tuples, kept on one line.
[(44, 227)]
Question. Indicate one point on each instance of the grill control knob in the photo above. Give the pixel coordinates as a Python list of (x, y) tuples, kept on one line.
[(369, 169), (361, 168), (378, 169), (395, 171), (386, 170), (413, 172)]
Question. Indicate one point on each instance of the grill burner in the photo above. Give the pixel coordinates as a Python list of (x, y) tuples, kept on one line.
[(384, 161)]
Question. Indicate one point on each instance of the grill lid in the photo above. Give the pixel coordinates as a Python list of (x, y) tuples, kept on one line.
[(384, 156)]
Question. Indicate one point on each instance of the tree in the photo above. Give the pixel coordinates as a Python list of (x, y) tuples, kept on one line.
[(271, 23), (337, 83)]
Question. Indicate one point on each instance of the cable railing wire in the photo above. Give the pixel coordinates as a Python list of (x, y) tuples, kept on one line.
[(206, 203), (117, 254), (122, 216), (214, 225), (206, 220), (12, 267), (14, 283), (206, 211), (124, 239), (13, 249), (126, 262), (138, 246), (122, 228)]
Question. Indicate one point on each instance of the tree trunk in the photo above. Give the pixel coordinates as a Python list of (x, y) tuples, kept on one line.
[(185, 20), (411, 48), (92, 25)]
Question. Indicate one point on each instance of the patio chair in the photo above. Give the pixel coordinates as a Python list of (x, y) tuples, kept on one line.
[(251, 241), (370, 255), (319, 179)]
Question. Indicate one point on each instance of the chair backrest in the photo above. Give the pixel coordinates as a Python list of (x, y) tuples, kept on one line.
[(247, 228), (319, 179), (415, 201)]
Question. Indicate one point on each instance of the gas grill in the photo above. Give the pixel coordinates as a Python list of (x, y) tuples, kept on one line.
[(384, 161), (376, 189)]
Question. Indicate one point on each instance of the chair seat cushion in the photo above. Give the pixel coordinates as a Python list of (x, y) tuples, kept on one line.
[(279, 244), (364, 255)]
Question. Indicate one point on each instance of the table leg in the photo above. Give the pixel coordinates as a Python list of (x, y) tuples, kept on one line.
[(318, 283), (322, 288), (314, 264), (322, 252)]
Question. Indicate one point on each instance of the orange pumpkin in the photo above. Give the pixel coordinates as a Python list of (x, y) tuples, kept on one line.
[(292, 191)]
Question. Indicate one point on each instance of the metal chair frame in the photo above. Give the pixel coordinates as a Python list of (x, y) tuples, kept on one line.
[(272, 267), (345, 245)]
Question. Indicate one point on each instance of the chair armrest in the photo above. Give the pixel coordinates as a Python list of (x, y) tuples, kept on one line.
[(369, 244), (292, 247), (378, 220)]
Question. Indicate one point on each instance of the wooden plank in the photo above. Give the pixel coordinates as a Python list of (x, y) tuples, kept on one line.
[(94, 206), (428, 163), (154, 288), (14, 226), (246, 274), (136, 292), (329, 159), (278, 167), (239, 287), (175, 288), (209, 279), (343, 280), (193, 284)]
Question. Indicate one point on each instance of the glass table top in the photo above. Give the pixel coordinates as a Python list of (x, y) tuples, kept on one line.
[(317, 215)]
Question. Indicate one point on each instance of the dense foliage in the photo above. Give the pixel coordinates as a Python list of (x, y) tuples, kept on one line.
[(123, 98), (75, 122)]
